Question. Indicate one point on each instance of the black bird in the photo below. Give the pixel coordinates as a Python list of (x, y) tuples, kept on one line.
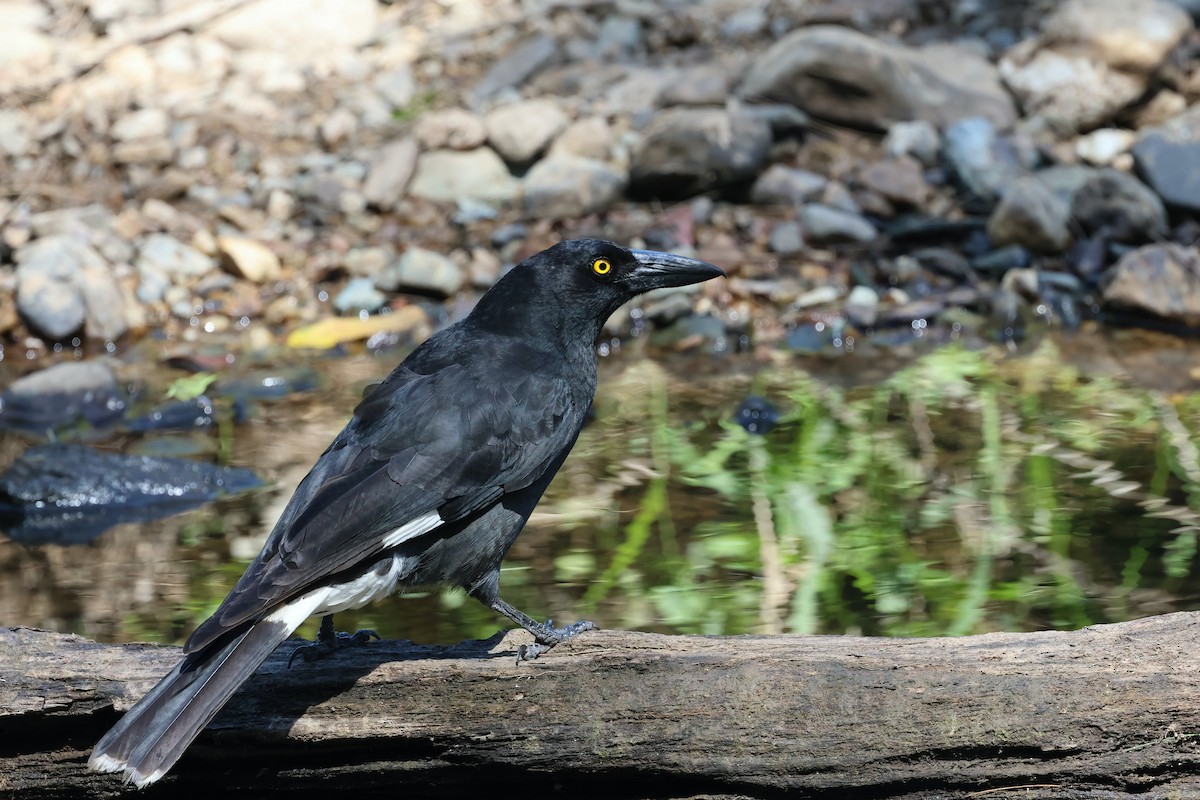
[(429, 484)]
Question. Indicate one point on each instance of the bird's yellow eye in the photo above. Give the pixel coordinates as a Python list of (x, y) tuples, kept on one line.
[(601, 266)]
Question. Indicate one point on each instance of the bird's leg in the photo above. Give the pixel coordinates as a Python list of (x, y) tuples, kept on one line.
[(545, 635), (330, 641)]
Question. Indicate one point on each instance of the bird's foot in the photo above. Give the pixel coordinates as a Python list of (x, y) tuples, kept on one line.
[(546, 636), (329, 642)]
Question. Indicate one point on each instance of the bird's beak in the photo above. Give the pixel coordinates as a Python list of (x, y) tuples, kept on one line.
[(658, 270)]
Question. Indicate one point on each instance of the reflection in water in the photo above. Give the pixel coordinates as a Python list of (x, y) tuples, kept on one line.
[(965, 492)]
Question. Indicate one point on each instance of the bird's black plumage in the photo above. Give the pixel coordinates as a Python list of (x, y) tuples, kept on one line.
[(428, 484)]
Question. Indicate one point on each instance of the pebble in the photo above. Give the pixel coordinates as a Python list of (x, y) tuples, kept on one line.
[(1157, 280), (900, 179), (446, 175), (424, 271), (450, 128), (826, 225), (248, 258), (590, 137), (390, 171), (1168, 158), (783, 185), (917, 138), (570, 186), (165, 254), (359, 294), (1031, 215), (786, 238), (686, 151), (519, 131), (516, 67), (983, 161), (1101, 147), (1119, 206)]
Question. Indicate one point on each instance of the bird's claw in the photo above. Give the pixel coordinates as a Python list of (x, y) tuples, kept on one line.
[(326, 646), (548, 636)]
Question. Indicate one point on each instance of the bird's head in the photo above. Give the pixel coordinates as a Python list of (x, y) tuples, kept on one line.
[(588, 279)]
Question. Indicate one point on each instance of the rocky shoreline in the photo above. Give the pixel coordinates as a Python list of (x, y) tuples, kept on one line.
[(252, 173)]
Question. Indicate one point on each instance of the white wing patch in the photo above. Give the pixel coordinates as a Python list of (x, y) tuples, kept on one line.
[(412, 529)]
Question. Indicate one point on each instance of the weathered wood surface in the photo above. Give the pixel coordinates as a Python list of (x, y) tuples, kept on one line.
[(1111, 711)]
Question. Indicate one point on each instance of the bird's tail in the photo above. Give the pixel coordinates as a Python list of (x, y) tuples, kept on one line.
[(153, 734)]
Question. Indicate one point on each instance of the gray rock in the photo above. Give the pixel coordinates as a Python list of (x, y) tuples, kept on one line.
[(389, 174), (159, 252), (69, 377), (590, 137), (397, 86), (686, 151), (1093, 58), (515, 68), (786, 238), (48, 275), (359, 294), (837, 73), (862, 306), (1118, 205), (450, 128), (782, 185), (825, 225), (1030, 215), (983, 161), (783, 119), (145, 123), (1159, 280), (16, 133), (519, 131), (1168, 159), (421, 270), (446, 175), (570, 186), (917, 138), (77, 220), (106, 317), (306, 30), (900, 179), (703, 85), (618, 35)]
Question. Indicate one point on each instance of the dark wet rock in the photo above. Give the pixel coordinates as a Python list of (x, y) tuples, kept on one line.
[(826, 225), (1031, 215), (1007, 319), (900, 179), (685, 151), (786, 238), (1088, 257), (944, 261), (570, 186), (423, 271), (447, 175), (1157, 280), (702, 85), (391, 170), (516, 67), (520, 131), (62, 395), (69, 494), (359, 294), (846, 76), (782, 185), (916, 138), (1002, 259), (1118, 206), (914, 228), (1168, 159), (983, 160), (757, 415), (267, 384), (181, 415), (784, 120)]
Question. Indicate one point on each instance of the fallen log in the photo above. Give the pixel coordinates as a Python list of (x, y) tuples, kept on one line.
[(1109, 711)]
